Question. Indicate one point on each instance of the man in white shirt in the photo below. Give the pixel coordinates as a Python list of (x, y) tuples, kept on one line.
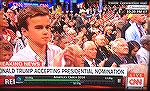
[(136, 30), (35, 26)]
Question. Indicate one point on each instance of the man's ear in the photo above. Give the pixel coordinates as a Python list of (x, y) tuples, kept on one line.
[(24, 32)]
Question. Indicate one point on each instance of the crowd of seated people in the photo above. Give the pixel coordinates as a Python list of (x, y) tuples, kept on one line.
[(108, 42)]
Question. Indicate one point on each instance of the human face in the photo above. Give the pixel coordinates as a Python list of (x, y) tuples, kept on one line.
[(84, 30), (10, 14), (134, 51), (64, 43), (3, 21), (38, 30), (93, 37), (71, 23), (6, 55), (65, 28), (148, 46), (91, 51), (141, 18), (109, 31), (73, 34), (101, 41), (122, 48)]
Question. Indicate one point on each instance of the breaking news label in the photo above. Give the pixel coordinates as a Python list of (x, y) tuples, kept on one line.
[(36, 68)]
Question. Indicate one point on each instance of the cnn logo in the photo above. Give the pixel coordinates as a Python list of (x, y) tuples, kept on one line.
[(137, 82)]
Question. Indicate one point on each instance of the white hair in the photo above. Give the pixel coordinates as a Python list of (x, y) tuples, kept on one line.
[(116, 43), (87, 44)]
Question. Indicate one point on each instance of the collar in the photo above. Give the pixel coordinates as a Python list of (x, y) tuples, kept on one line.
[(89, 62), (131, 22), (30, 50), (33, 53)]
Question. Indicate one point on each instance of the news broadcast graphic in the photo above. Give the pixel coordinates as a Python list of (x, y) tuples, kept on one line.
[(21, 64), (63, 70), (69, 80), (137, 76), (134, 7), (61, 76), (102, 18), (135, 80)]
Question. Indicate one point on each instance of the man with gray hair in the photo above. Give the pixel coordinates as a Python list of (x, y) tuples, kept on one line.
[(90, 51), (143, 53), (120, 50)]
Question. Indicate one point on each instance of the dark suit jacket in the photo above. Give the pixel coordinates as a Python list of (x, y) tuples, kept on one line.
[(124, 28), (79, 22), (103, 53), (114, 58)]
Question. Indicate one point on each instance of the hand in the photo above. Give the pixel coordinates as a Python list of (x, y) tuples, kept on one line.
[(114, 64), (102, 63), (58, 58)]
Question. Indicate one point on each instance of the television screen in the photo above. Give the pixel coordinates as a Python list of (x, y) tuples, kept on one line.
[(75, 44)]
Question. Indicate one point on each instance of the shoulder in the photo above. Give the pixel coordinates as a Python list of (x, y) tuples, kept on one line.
[(86, 64), (21, 55), (54, 47), (114, 58), (142, 51), (132, 27)]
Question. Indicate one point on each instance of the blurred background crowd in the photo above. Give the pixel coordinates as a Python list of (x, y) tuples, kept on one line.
[(106, 34)]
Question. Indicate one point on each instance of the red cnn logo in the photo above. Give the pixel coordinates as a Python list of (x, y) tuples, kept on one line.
[(135, 79)]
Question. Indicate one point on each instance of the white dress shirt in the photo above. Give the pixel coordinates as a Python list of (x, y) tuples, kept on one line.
[(27, 54), (91, 62), (132, 33)]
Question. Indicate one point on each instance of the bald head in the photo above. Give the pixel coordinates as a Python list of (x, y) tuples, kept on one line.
[(117, 42), (71, 31)]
